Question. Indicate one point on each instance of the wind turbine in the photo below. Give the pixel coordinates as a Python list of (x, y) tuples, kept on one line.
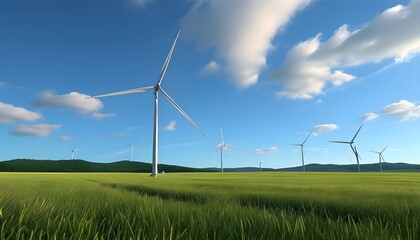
[(381, 157), (260, 166), (301, 149), (157, 88), (73, 151), (220, 147), (353, 148)]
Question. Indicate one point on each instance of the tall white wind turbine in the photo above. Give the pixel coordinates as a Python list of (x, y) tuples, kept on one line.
[(157, 88), (73, 151), (220, 147), (301, 145), (353, 148), (381, 157)]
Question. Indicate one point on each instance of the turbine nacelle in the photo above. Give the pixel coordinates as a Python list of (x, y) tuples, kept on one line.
[(157, 87)]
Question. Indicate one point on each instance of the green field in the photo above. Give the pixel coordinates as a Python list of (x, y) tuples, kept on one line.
[(210, 206)]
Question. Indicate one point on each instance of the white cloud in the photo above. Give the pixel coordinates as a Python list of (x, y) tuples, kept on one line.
[(265, 151), (170, 126), (323, 150), (403, 109), (10, 113), (36, 130), (141, 3), (320, 128), (211, 67), (369, 116), (74, 100), (3, 84), (240, 31), (100, 116), (65, 138), (312, 65)]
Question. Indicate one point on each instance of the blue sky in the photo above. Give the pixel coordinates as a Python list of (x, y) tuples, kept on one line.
[(267, 72)]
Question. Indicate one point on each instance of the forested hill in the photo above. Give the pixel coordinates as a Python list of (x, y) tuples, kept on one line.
[(30, 165)]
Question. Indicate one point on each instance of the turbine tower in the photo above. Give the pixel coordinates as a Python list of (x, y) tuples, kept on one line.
[(301, 145), (353, 148), (73, 151), (157, 88), (131, 150), (220, 147), (260, 166), (381, 157)]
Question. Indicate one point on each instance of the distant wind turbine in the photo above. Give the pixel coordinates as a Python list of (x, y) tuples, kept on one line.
[(301, 145), (353, 148), (220, 147), (73, 151), (381, 157), (157, 88), (260, 166)]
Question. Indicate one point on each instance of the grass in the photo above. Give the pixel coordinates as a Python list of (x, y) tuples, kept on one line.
[(210, 206)]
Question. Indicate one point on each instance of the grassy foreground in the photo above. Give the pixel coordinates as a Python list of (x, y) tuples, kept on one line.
[(210, 206)]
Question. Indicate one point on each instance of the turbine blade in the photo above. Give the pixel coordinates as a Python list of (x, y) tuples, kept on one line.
[(340, 142), (356, 152), (168, 59), (182, 111), (296, 144), (307, 137), (221, 134), (357, 133), (134, 90), (374, 151), (384, 149)]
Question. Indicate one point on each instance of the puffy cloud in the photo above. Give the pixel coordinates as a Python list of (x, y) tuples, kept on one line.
[(36, 130), (403, 109), (10, 113), (170, 126), (74, 100), (265, 151), (311, 65), (320, 128), (210, 68), (240, 31), (100, 116), (369, 116), (65, 138)]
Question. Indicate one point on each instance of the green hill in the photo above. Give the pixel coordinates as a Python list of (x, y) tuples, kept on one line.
[(374, 167), (30, 165)]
